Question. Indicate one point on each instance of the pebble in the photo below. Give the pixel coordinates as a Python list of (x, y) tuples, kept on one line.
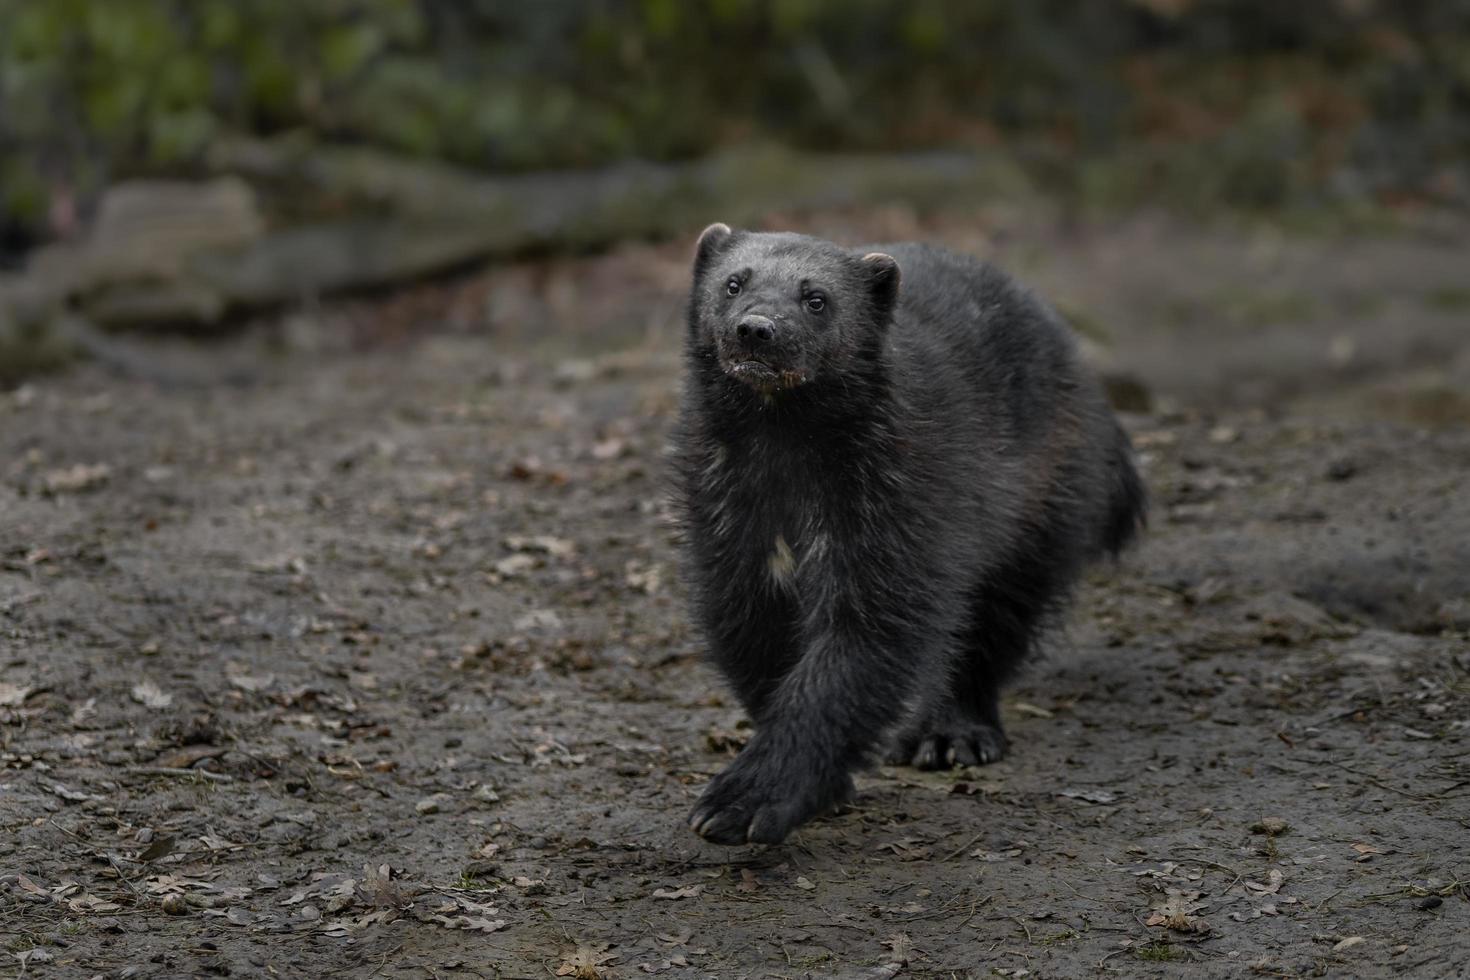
[(431, 804)]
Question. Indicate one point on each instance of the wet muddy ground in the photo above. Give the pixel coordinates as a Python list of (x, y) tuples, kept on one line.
[(366, 656)]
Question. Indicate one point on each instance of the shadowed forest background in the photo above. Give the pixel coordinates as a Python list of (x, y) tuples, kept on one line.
[(341, 626), (1246, 104)]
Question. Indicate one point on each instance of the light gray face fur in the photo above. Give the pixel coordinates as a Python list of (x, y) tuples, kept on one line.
[(781, 310)]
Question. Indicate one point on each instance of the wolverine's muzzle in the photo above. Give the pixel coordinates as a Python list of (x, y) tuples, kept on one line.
[(755, 330), (753, 351)]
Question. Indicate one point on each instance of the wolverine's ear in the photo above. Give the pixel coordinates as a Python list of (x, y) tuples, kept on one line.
[(711, 242), (883, 279)]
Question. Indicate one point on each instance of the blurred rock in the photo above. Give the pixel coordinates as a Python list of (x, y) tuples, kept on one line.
[(1125, 390), (187, 255), (146, 234), (30, 340)]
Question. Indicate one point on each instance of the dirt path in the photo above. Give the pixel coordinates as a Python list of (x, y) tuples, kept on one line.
[(377, 666)]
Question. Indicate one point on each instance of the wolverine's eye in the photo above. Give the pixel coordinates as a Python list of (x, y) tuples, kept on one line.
[(816, 302), (733, 286)]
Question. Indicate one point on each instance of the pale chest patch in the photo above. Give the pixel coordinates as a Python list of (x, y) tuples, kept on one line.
[(781, 562)]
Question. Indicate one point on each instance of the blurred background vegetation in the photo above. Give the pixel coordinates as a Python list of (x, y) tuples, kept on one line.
[(1248, 103)]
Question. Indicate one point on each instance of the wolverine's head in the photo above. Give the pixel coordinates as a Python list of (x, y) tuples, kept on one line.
[(779, 310)]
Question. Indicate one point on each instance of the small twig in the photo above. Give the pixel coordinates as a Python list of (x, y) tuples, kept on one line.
[(384, 961), (944, 910), (965, 847), (975, 908), (1322, 905), (97, 850), (217, 777), (1381, 784), (1358, 709), (15, 602), (1225, 868)]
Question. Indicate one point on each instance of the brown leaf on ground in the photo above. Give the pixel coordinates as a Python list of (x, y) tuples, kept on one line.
[(250, 682), (188, 755), (1176, 911), (908, 849), (1270, 886), (728, 742), (90, 904), (902, 946), (75, 479), (14, 695), (160, 848), (150, 695), (586, 962), (467, 923), (543, 543), (1089, 795)]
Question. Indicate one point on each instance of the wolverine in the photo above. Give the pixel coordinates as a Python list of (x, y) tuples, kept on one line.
[(892, 468)]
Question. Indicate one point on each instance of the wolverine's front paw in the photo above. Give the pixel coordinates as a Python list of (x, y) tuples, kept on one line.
[(757, 804)]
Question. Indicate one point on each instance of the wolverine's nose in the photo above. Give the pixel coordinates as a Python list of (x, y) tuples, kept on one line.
[(755, 329)]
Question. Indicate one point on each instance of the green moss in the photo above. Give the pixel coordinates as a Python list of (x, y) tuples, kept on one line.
[(1159, 953), (1449, 299)]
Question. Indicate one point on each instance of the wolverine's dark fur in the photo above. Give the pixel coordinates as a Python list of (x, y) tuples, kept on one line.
[(885, 491)]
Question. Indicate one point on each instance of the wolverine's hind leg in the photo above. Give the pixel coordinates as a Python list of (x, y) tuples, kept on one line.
[(963, 726), (949, 734)]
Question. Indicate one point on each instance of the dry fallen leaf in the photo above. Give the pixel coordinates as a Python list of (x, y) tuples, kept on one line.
[(35, 954), (68, 794), (908, 849), (13, 695), (688, 891), (1271, 886), (804, 883), (993, 856), (902, 946), (585, 962), (1365, 852), (1088, 795), (75, 479), (1176, 911), (150, 695), (251, 682), (468, 923), (161, 847), (545, 543), (1270, 826), (92, 904), (513, 565), (186, 756), (609, 448)]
